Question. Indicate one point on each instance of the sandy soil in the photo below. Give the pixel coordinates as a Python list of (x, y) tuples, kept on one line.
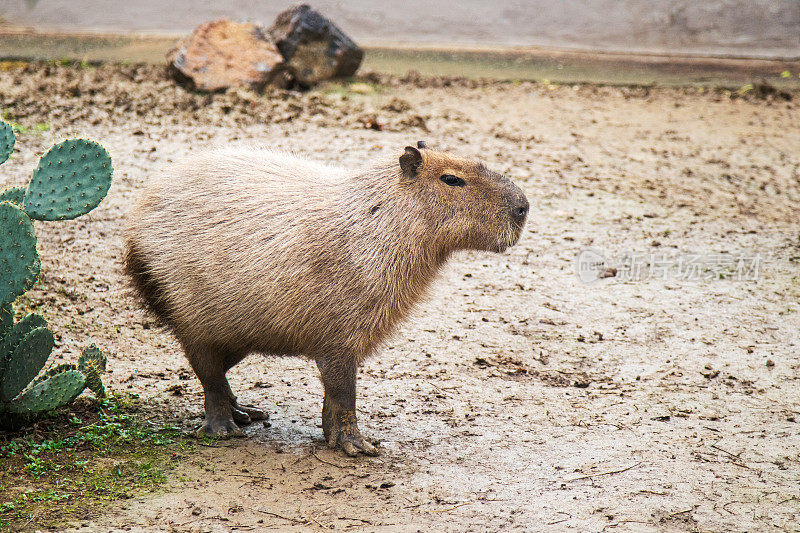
[(518, 397)]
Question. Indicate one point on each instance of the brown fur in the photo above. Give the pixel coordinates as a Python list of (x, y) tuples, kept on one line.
[(247, 250)]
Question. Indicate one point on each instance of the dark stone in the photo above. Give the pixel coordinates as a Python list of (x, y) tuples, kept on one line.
[(313, 46)]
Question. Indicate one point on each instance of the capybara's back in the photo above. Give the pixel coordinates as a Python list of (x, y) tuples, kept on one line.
[(229, 247), (248, 250)]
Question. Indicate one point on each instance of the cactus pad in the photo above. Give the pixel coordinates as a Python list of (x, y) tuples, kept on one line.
[(92, 363), (15, 195), (19, 261), (71, 180), (55, 391), (27, 359), (63, 367), (6, 141), (14, 337)]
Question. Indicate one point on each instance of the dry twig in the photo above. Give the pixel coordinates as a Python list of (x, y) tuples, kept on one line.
[(288, 518), (450, 508), (355, 519), (672, 515), (587, 476)]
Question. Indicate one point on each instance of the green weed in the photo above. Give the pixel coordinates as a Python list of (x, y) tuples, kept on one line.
[(102, 451)]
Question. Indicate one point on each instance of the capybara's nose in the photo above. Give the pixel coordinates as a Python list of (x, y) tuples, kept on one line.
[(519, 209)]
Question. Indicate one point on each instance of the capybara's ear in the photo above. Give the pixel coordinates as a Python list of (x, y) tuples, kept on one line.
[(421, 145), (410, 161)]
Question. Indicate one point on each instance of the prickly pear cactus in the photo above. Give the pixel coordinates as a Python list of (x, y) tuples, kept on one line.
[(48, 394), (19, 262), (6, 141), (25, 362), (92, 363), (15, 335), (15, 195), (24, 349), (71, 179)]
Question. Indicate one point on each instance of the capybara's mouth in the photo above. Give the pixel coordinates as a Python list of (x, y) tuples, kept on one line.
[(516, 232), (509, 239)]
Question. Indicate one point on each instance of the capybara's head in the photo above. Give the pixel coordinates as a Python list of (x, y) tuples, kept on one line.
[(468, 205)]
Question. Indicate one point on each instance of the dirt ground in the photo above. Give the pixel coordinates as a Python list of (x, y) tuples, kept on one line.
[(518, 397)]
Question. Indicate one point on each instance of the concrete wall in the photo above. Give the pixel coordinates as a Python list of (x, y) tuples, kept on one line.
[(757, 28)]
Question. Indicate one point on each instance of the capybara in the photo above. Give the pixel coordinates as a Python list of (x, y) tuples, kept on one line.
[(244, 250)]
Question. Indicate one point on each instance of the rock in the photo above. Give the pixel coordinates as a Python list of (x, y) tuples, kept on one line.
[(313, 46), (371, 122), (222, 53)]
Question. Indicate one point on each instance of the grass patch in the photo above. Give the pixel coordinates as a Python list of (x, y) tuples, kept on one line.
[(64, 469), (21, 129)]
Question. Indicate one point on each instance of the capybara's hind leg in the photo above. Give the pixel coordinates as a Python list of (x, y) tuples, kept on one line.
[(209, 365), (339, 423), (242, 414)]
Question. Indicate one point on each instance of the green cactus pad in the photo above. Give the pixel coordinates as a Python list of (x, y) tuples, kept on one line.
[(92, 363), (71, 180), (6, 320), (15, 336), (25, 363), (63, 367), (51, 393), (6, 141), (19, 261), (15, 195)]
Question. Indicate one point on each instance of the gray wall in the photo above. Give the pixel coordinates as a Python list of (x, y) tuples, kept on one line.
[(727, 27)]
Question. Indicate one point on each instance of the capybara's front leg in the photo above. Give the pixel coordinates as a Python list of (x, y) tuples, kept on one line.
[(339, 407)]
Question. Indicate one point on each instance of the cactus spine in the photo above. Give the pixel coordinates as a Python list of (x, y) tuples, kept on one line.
[(15, 195)]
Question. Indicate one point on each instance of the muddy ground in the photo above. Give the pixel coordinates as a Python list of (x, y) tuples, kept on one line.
[(518, 397)]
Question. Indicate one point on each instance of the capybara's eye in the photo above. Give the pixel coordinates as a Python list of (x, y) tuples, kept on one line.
[(453, 181)]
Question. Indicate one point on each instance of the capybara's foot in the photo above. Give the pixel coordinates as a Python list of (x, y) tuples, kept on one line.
[(218, 427), (344, 433), (244, 414)]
